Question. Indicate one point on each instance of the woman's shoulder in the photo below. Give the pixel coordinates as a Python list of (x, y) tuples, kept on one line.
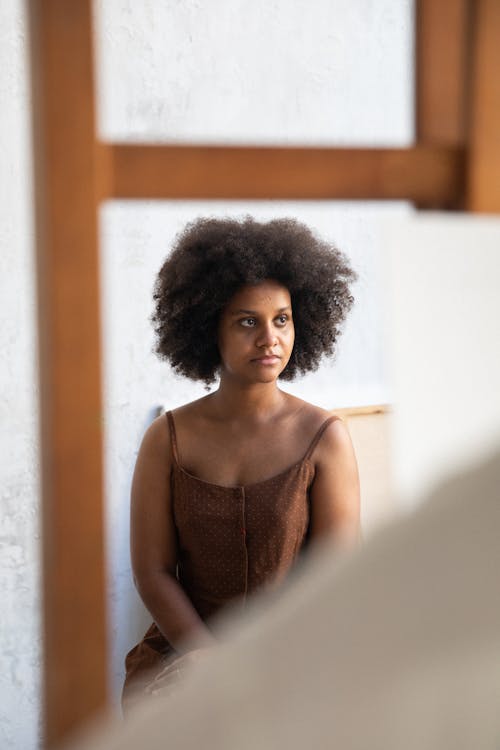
[(323, 427), (156, 438), (309, 415), (191, 414), (161, 435), (192, 407)]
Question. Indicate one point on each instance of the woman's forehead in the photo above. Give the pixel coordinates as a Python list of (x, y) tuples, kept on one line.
[(268, 292)]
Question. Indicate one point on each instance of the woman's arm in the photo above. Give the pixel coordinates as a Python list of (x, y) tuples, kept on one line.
[(335, 494), (153, 543)]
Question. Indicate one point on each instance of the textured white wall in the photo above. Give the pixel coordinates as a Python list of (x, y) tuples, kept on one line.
[(308, 71), (292, 72)]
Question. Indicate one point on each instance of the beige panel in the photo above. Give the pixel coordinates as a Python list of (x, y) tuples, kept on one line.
[(370, 429)]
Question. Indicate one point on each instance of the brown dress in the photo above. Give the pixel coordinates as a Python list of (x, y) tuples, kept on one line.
[(231, 541)]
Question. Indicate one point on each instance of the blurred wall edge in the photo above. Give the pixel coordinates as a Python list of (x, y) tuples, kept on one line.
[(444, 312)]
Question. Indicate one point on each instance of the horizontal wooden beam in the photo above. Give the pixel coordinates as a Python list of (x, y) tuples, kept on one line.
[(362, 411), (430, 176)]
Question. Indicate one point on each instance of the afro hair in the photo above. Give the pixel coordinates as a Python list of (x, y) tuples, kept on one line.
[(212, 258)]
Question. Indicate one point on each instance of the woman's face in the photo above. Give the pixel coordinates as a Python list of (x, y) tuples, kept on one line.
[(256, 332)]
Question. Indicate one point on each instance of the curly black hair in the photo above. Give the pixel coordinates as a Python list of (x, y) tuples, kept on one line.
[(213, 258)]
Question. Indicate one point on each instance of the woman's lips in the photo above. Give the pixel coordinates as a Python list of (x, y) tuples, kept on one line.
[(270, 359)]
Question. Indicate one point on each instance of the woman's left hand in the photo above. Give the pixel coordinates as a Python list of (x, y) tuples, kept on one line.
[(174, 672)]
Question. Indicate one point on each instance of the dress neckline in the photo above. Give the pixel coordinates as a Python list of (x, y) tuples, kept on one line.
[(298, 464), (233, 487)]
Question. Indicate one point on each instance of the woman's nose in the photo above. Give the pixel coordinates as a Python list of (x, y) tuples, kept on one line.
[(267, 336)]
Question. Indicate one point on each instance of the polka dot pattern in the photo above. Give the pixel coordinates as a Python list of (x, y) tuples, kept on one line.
[(232, 540)]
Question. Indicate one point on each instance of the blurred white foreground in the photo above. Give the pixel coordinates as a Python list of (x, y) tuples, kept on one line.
[(398, 646)]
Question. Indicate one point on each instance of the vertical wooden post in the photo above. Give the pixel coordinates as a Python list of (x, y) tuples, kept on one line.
[(443, 42), (69, 352), (483, 161), (442, 47)]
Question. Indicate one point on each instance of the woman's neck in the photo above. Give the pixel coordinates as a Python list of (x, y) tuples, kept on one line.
[(257, 402)]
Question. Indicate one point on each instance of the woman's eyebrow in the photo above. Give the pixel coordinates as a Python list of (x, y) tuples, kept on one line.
[(254, 312)]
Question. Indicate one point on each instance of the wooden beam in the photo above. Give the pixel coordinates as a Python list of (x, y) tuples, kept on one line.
[(431, 176), (483, 158), (75, 664), (362, 411), (443, 48)]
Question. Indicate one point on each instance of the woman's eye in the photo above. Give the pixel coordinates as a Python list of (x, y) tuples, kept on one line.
[(282, 319), (248, 322)]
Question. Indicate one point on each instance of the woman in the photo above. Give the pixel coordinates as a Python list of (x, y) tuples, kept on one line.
[(228, 489)]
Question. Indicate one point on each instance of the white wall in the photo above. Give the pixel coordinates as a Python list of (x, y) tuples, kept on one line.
[(281, 71), (445, 333), (304, 71)]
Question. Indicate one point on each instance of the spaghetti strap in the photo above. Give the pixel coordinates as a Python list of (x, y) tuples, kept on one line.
[(173, 436), (318, 435)]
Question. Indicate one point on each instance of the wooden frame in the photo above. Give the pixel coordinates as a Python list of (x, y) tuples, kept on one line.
[(429, 175), (454, 164), (75, 668)]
